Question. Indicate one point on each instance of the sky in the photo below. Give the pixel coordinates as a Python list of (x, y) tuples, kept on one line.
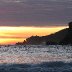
[(35, 12), (42, 17)]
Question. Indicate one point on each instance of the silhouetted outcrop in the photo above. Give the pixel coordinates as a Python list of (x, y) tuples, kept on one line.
[(34, 40), (52, 39), (51, 43), (62, 37), (56, 37), (70, 25), (21, 43), (68, 37)]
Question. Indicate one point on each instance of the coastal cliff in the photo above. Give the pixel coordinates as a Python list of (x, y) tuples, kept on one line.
[(62, 37)]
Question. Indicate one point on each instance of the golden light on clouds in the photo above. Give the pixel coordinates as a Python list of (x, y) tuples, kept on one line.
[(11, 35)]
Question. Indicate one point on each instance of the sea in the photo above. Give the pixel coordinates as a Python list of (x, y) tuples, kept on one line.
[(35, 58)]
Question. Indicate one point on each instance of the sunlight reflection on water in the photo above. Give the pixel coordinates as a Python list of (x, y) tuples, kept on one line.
[(35, 54)]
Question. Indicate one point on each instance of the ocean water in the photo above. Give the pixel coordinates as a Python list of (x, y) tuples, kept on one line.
[(36, 58)]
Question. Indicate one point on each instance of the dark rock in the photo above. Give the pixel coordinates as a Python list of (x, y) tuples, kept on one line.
[(68, 37), (61, 37), (51, 43), (70, 25)]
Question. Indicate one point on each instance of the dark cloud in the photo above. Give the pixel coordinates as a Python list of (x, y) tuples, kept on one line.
[(35, 12)]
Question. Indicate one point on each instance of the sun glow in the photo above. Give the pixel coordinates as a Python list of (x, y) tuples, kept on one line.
[(11, 35)]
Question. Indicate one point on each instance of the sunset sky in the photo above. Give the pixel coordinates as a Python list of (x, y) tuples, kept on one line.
[(20, 19), (11, 35)]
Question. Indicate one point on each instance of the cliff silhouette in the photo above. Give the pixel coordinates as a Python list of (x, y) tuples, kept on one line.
[(62, 37), (68, 37)]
